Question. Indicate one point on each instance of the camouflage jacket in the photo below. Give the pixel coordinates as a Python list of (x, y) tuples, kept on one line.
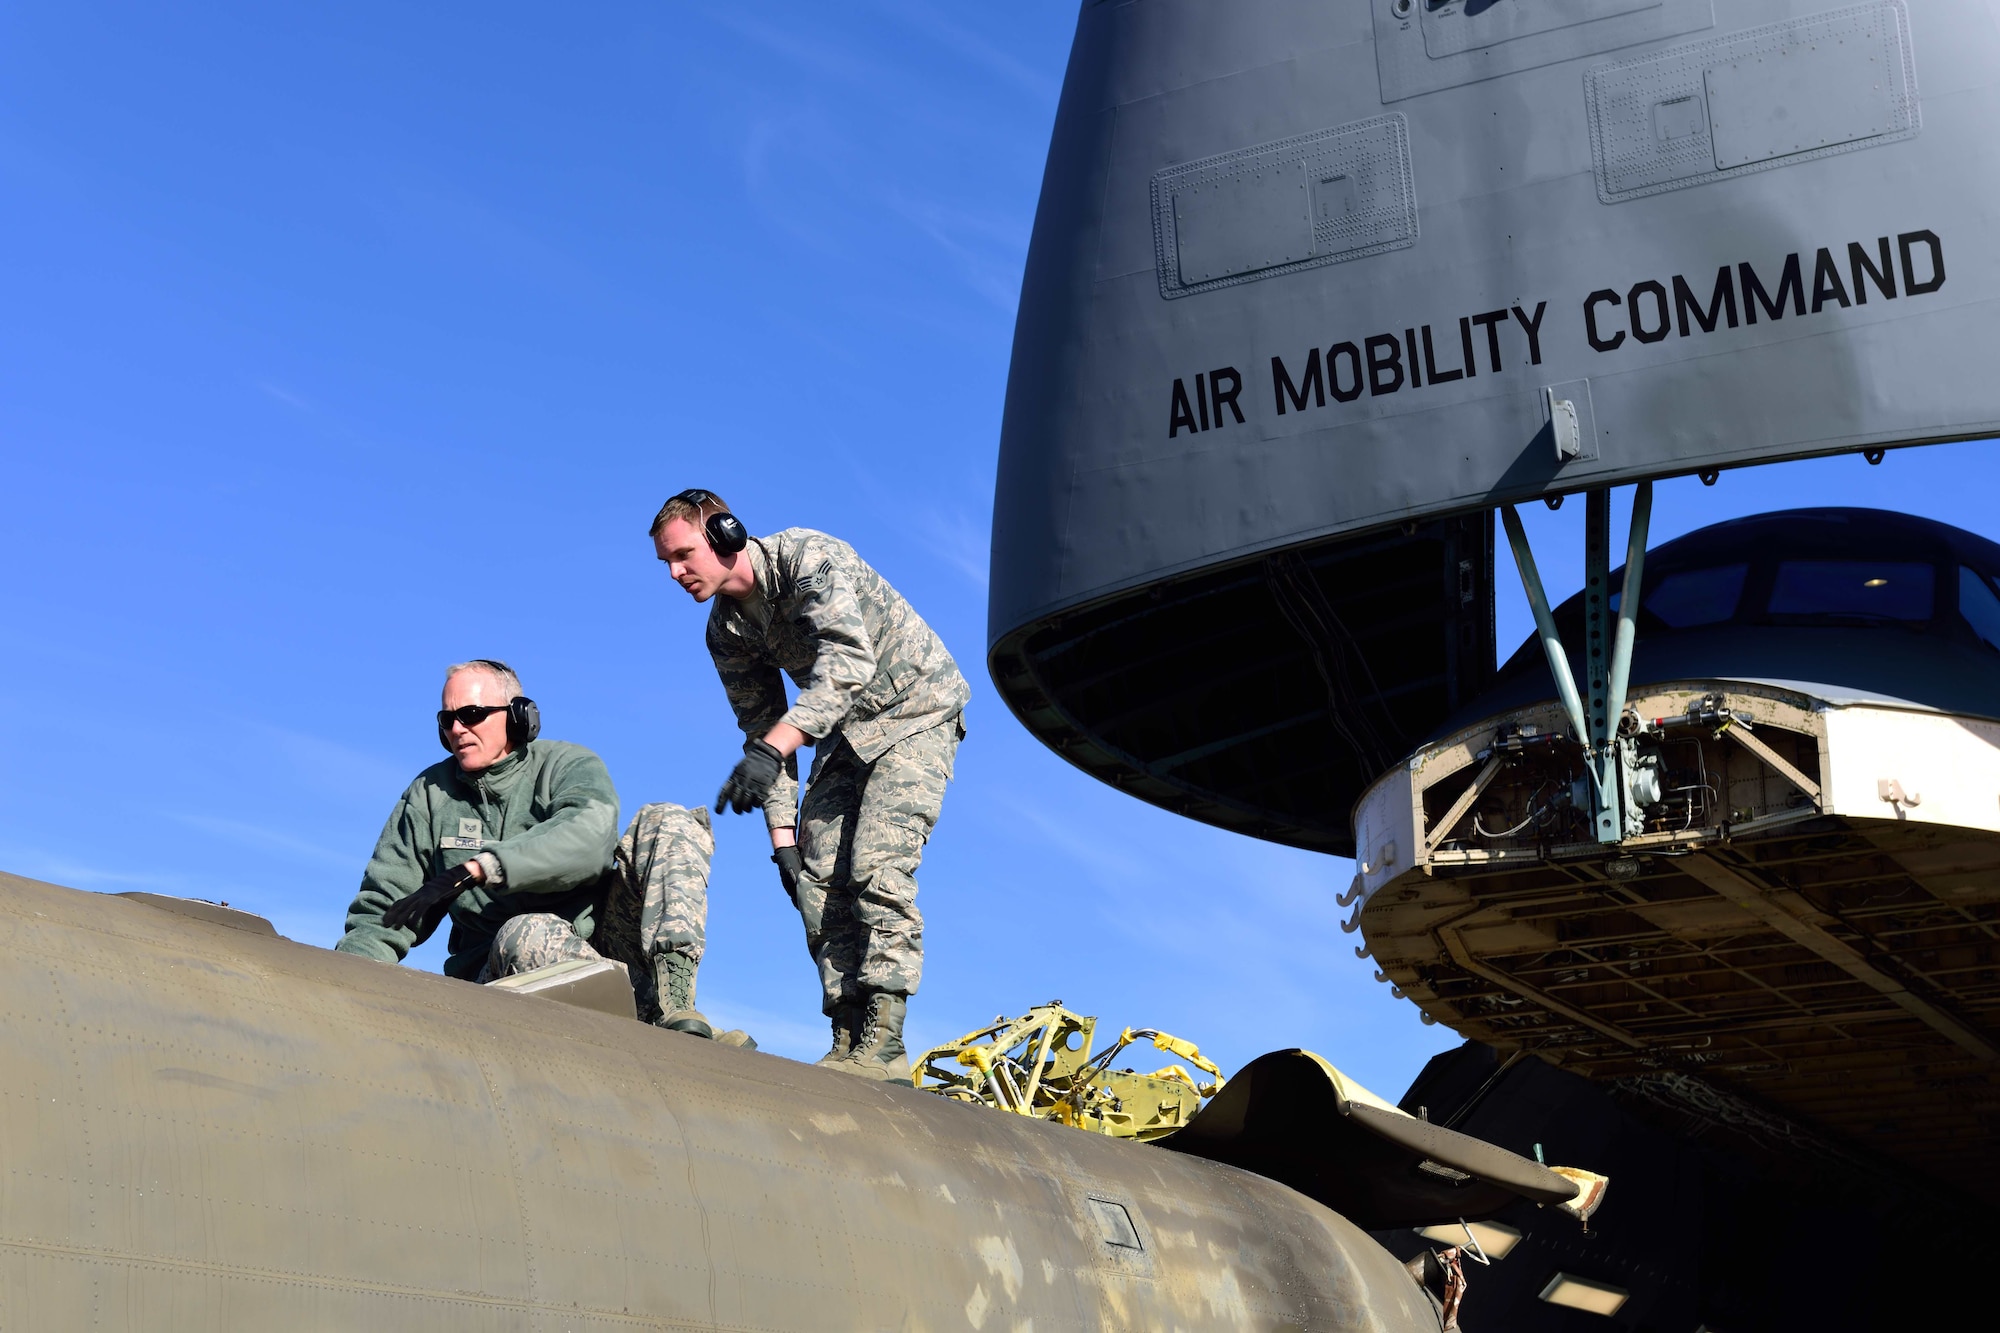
[(547, 812), (867, 666)]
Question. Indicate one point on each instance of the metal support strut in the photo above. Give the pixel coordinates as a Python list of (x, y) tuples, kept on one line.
[(1597, 658), (1545, 623), (1628, 598), (1607, 643)]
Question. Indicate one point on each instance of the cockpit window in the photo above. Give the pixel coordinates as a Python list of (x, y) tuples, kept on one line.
[(1697, 596), (1979, 606), (1868, 589)]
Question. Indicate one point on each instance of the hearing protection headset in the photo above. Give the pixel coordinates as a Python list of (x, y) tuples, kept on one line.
[(725, 532), (524, 719)]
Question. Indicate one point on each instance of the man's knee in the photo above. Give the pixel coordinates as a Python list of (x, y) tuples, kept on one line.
[(668, 815), (887, 851), (665, 857), (664, 830), (887, 906), (533, 940)]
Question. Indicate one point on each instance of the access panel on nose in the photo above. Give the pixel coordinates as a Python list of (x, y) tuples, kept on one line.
[(1422, 46)]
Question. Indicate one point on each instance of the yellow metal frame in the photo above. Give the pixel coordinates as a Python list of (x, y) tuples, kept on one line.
[(1041, 1065)]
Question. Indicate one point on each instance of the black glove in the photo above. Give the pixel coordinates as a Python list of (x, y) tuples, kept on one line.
[(422, 910), (789, 863), (752, 779)]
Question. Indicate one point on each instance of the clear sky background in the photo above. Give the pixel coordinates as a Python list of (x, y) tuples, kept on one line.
[(341, 342)]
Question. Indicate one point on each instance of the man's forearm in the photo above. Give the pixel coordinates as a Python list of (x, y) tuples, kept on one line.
[(365, 934), (786, 738)]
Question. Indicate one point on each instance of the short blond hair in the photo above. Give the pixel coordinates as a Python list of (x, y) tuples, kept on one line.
[(499, 670), (683, 507)]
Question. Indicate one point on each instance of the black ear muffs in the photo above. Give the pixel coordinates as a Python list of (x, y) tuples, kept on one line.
[(726, 533), (524, 720), (524, 723)]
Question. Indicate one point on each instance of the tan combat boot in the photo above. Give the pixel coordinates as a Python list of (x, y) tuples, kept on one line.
[(878, 1052), (846, 1017), (673, 975)]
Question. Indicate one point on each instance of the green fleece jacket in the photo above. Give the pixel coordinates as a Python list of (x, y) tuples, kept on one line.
[(547, 812)]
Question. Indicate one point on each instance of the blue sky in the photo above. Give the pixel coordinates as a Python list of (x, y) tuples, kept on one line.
[(338, 343)]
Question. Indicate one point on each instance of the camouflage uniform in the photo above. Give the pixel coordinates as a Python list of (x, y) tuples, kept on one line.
[(541, 823), (656, 903), (882, 698), (862, 832), (660, 904), (535, 939)]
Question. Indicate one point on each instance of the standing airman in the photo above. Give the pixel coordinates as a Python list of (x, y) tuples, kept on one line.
[(880, 701)]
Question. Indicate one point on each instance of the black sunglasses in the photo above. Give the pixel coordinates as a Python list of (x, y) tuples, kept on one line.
[(471, 715)]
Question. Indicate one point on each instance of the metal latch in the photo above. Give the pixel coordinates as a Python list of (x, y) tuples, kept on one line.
[(1891, 790), (1563, 425)]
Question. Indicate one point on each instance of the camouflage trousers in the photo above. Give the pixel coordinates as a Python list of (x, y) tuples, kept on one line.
[(531, 940), (657, 903), (862, 830)]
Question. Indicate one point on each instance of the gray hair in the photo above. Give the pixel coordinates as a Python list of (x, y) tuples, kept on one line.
[(500, 671)]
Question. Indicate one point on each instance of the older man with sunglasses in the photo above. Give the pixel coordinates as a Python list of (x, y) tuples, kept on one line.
[(515, 838)]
